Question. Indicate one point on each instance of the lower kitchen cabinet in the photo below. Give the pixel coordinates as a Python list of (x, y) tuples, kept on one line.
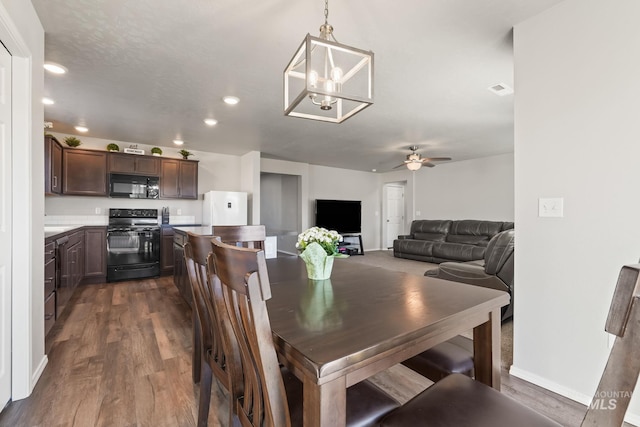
[(95, 255), (180, 275), (49, 286), (166, 250), (71, 267)]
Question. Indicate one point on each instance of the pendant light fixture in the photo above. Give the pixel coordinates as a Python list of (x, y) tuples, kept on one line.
[(326, 80)]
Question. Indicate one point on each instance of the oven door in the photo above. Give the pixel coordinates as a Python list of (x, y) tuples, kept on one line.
[(133, 253)]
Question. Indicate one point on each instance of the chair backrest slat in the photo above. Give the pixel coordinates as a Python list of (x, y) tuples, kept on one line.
[(611, 400)]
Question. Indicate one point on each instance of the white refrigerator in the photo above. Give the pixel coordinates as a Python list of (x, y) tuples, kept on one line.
[(224, 208)]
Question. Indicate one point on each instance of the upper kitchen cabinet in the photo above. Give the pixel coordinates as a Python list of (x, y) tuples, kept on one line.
[(52, 166), (178, 179), (84, 172), (134, 164)]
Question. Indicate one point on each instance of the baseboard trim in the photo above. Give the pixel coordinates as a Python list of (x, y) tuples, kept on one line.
[(569, 393), (38, 372)]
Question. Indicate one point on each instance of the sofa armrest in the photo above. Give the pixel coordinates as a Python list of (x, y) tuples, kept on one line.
[(405, 237)]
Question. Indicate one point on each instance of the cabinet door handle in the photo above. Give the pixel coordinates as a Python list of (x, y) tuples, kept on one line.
[(55, 181)]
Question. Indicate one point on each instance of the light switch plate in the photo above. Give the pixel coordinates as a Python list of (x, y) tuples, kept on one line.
[(551, 207)]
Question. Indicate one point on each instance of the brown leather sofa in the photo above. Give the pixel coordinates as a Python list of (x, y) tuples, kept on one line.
[(494, 271), (446, 240)]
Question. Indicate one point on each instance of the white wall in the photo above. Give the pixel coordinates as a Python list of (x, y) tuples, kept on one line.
[(22, 34), (250, 182), (472, 189), (343, 184), (576, 137)]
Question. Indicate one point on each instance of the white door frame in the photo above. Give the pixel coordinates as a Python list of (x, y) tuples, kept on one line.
[(24, 143), (6, 191), (384, 210)]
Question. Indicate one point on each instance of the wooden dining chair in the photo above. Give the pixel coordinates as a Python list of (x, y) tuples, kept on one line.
[(459, 401), (208, 350), (265, 393), (209, 357), (247, 236)]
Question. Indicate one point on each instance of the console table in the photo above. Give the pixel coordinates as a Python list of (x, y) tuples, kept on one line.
[(345, 242)]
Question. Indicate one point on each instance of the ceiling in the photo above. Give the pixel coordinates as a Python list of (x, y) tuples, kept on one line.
[(150, 71)]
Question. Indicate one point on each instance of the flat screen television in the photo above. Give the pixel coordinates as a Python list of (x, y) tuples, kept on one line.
[(340, 215)]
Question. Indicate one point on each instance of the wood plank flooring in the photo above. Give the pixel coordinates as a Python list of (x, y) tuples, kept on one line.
[(121, 356)]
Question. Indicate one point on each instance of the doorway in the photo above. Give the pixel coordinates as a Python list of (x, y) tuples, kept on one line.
[(280, 196), (5, 226), (394, 212)]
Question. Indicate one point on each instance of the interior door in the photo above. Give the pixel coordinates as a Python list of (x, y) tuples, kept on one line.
[(5, 226), (395, 212)]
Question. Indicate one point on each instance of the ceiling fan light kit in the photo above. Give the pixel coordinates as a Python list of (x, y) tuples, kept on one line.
[(415, 161), (326, 80)]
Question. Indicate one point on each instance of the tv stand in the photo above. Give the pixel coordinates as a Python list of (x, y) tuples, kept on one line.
[(357, 244)]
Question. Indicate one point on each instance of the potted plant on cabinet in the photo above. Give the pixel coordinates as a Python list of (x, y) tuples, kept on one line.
[(113, 147), (72, 141), (156, 151), (185, 154)]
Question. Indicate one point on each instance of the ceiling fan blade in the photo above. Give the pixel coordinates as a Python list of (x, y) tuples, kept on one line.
[(399, 166), (427, 164), (437, 159)]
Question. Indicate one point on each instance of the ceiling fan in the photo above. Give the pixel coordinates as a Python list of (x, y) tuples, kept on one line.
[(415, 161)]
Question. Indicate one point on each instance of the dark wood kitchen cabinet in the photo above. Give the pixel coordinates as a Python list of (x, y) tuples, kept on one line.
[(95, 254), (52, 166), (180, 275), (134, 164), (166, 250), (49, 286), (71, 265), (84, 172), (178, 179)]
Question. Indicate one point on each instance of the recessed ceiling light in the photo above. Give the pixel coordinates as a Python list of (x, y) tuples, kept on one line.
[(501, 89), (54, 68), (178, 141), (48, 101), (373, 170), (82, 129), (211, 122), (231, 100)]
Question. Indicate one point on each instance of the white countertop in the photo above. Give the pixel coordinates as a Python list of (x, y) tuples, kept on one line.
[(52, 230)]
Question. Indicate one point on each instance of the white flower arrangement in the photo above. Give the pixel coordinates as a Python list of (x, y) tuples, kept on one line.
[(328, 239)]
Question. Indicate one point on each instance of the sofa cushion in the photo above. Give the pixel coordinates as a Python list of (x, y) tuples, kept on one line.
[(468, 239), (507, 226), (431, 226), (417, 247), (433, 237), (458, 251), (476, 228)]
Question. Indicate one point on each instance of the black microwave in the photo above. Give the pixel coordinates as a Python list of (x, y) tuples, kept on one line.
[(134, 186)]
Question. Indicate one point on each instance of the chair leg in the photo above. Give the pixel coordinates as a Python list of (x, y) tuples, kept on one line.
[(205, 395), (196, 357)]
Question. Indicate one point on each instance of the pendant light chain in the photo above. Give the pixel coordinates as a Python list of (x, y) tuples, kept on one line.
[(326, 12)]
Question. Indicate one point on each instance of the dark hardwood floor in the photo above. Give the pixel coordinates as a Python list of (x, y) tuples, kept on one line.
[(121, 356)]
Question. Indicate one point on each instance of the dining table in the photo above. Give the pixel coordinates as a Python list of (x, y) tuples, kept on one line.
[(365, 319)]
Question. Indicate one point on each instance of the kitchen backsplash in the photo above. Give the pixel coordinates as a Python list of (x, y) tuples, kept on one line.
[(104, 219)]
